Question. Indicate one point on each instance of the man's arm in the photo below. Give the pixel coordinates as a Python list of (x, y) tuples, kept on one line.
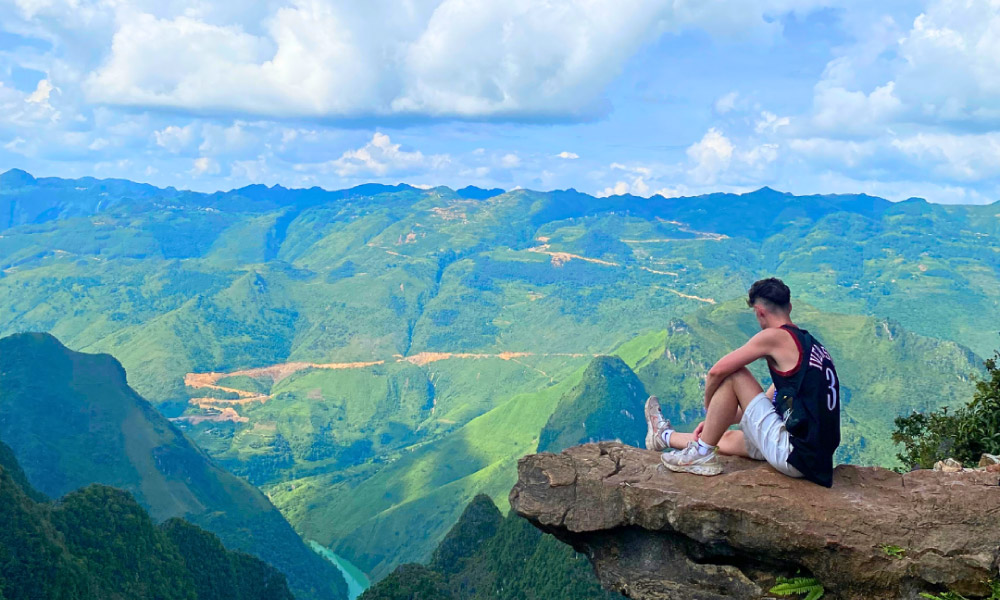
[(757, 347)]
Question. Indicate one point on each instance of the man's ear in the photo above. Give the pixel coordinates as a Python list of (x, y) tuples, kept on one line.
[(789, 307)]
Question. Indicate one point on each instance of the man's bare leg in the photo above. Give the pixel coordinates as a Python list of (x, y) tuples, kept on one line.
[(725, 409), (735, 393), (731, 444)]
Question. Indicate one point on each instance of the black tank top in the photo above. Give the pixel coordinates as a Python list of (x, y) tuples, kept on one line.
[(808, 399)]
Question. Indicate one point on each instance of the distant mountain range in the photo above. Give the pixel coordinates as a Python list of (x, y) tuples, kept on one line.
[(374, 358)]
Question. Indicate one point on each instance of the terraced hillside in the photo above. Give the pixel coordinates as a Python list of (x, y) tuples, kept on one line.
[(372, 358)]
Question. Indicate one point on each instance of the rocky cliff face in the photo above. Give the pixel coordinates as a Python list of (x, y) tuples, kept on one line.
[(652, 534)]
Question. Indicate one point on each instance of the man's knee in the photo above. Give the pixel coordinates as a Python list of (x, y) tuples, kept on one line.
[(739, 378), (745, 385), (730, 435)]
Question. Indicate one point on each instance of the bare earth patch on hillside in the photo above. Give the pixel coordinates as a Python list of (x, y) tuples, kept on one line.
[(225, 414), (280, 371), (561, 258)]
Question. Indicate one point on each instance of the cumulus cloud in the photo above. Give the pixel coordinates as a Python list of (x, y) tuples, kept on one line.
[(635, 181), (515, 59), (380, 157), (966, 158), (568, 155), (715, 157), (840, 111), (711, 155), (510, 160), (41, 93), (205, 166), (943, 69), (173, 138), (956, 45), (238, 139)]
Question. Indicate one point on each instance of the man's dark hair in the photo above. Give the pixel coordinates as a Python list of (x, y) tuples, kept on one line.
[(773, 292)]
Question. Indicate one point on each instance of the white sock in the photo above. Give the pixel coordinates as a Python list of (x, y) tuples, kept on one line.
[(665, 436), (704, 448)]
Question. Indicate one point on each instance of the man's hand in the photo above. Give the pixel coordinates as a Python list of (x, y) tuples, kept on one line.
[(698, 430)]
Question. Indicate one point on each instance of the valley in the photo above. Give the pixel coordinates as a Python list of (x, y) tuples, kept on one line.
[(374, 358)]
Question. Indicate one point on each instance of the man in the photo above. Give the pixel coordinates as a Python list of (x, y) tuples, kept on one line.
[(795, 426)]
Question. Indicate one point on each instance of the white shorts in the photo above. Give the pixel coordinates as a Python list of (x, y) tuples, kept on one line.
[(766, 437)]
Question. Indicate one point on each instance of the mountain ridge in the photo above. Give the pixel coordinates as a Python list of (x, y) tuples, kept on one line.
[(72, 421), (356, 457)]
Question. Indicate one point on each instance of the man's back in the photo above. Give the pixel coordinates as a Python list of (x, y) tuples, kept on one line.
[(809, 397)]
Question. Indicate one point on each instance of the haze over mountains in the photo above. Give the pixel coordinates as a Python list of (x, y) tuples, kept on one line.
[(373, 358)]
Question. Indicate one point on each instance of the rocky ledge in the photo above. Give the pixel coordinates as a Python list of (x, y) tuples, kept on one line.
[(652, 534)]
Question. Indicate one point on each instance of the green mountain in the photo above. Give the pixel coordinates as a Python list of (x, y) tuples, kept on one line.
[(605, 405), (374, 358), (486, 555), (99, 543), (71, 421)]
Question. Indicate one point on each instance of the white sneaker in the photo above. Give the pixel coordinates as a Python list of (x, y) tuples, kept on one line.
[(689, 460), (655, 425)]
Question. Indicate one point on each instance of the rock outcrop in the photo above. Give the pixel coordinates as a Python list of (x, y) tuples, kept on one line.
[(652, 534)]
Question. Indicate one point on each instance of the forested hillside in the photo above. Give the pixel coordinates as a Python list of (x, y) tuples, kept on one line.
[(373, 358), (489, 556), (98, 542), (71, 421)]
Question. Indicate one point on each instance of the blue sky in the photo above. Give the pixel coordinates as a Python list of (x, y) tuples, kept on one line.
[(675, 97)]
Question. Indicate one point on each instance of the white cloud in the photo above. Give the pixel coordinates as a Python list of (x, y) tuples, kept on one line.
[(711, 156), (15, 145), (618, 189), (432, 58), (237, 139), (726, 103), (716, 158), (568, 155), (205, 166), (41, 93), (951, 62), (832, 152), (380, 157), (840, 111), (254, 170), (966, 158), (510, 160), (770, 122), (673, 192), (173, 138), (636, 182), (835, 183), (943, 70)]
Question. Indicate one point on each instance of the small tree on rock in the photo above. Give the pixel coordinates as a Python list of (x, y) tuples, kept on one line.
[(965, 434)]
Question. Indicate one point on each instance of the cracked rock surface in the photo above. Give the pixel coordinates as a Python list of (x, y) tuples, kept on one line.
[(652, 534)]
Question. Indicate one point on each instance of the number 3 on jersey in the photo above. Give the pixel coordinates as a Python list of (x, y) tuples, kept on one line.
[(831, 396)]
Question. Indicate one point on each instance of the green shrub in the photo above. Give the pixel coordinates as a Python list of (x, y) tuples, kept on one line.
[(965, 434)]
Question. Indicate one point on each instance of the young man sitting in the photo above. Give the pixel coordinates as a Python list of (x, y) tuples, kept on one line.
[(795, 426)]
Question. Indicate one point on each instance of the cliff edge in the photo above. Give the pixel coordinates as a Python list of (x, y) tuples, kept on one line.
[(652, 534)]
